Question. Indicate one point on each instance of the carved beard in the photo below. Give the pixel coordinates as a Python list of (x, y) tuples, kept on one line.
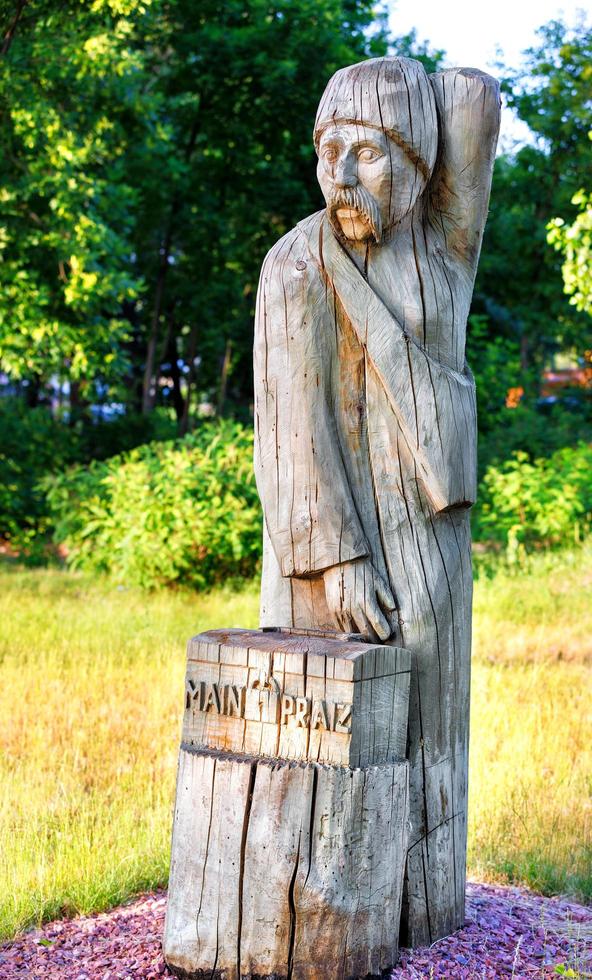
[(359, 198)]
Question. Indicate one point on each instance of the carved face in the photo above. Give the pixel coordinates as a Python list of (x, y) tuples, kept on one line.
[(369, 183)]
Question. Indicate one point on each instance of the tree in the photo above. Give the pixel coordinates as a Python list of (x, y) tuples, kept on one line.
[(239, 93), (575, 243), (65, 270), (151, 152), (519, 284)]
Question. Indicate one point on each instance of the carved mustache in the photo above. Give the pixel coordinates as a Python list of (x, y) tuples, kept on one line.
[(359, 198)]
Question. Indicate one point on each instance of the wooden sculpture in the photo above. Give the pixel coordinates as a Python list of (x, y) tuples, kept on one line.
[(366, 419)]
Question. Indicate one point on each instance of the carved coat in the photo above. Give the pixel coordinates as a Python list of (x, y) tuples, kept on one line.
[(365, 446)]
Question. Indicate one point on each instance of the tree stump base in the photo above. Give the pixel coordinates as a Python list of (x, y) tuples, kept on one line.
[(289, 862)]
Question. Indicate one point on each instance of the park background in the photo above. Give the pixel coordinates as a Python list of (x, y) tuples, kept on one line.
[(150, 153)]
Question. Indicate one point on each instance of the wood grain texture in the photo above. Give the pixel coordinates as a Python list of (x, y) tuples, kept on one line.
[(365, 448), (285, 870), (242, 689)]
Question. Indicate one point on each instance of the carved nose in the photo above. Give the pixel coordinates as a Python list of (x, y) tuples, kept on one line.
[(344, 175)]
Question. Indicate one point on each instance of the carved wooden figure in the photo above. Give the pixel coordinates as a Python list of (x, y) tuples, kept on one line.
[(366, 419)]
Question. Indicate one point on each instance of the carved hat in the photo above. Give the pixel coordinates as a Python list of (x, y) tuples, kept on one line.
[(390, 94)]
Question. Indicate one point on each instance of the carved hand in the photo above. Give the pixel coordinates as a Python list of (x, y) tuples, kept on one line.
[(359, 599)]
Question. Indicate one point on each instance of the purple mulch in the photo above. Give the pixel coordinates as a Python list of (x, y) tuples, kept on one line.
[(509, 933)]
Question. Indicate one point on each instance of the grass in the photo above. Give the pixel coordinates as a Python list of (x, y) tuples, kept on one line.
[(530, 818), (91, 681)]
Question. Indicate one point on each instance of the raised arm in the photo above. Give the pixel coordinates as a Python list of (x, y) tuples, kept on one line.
[(468, 103)]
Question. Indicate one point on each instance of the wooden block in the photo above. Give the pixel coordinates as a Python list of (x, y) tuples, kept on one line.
[(294, 663), (347, 895), (232, 674), (294, 684), (203, 671), (343, 669), (202, 926), (316, 665), (294, 742), (212, 731), (390, 660), (200, 649), (333, 748), (285, 869), (233, 654), (397, 724), (331, 701), (193, 805), (260, 660), (277, 840)]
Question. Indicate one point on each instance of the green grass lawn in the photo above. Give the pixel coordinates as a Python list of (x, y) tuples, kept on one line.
[(91, 684)]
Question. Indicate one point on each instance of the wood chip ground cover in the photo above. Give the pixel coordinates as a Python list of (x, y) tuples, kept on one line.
[(509, 932)]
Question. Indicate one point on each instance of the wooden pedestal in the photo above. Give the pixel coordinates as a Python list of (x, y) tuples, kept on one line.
[(290, 828)]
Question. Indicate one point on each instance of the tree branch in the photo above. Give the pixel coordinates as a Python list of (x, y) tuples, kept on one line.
[(9, 36)]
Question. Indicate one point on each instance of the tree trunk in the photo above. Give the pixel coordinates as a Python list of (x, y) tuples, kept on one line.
[(184, 423), (9, 35), (78, 402), (149, 391), (290, 827), (224, 376), (171, 354), (33, 391), (149, 386)]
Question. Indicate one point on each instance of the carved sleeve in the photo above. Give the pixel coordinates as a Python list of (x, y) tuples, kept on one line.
[(307, 503), (468, 103)]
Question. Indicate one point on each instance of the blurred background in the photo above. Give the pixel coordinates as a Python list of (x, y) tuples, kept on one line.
[(151, 152)]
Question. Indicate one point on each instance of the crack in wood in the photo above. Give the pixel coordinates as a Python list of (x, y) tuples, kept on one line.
[(245, 830), (292, 910)]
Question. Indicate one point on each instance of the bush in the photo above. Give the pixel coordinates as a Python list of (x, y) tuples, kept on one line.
[(535, 431), (32, 444), (495, 363), (527, 504), (535, 426), (181, 512), (186, 511), (103, 438)]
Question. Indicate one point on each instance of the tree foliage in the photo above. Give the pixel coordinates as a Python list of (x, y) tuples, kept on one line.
[(151, 152), (167, 513), (575, 242), (68, 85), (527, 504), (519, 284)]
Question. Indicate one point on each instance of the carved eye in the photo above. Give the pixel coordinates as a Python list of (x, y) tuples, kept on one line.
[(368, 155), (330, 154)]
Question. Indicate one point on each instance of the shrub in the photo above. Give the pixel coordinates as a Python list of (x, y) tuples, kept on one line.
[(534, 431), (180, 512), (526, 504), (32, 443), (103, 438)]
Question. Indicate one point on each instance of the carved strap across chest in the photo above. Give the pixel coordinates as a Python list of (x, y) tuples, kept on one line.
[(434, 405)]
